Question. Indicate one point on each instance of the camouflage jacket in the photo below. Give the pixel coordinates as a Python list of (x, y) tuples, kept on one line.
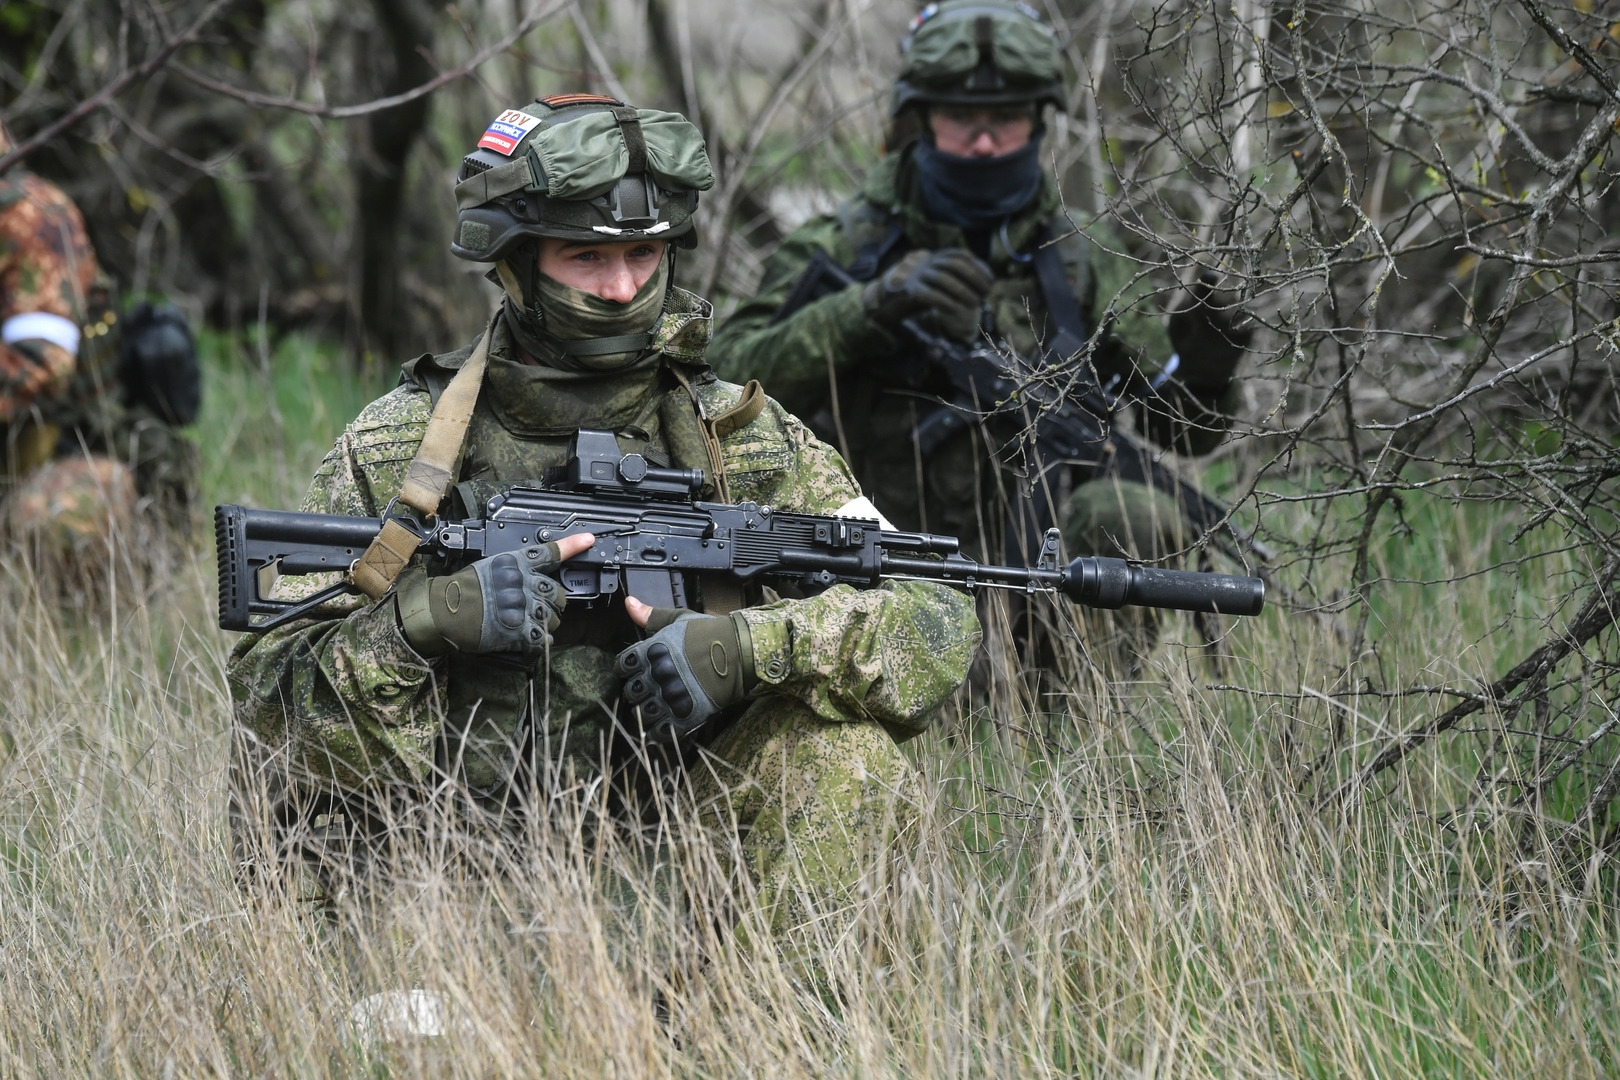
[(800, 357), (48, 267), (349, 700)]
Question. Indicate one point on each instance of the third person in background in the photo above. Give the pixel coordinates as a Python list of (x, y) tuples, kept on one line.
[(961, 232), (90, 404)]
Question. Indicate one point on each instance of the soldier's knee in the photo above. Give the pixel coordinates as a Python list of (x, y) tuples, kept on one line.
[(1123, 519), (72, 506), (781, 753)]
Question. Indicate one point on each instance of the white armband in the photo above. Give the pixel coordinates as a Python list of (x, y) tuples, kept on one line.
[(41, 326)]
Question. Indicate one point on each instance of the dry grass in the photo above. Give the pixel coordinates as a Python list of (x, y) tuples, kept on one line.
[(1140, 894)]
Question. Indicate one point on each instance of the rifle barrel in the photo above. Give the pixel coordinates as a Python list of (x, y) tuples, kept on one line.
[(1114, 583)]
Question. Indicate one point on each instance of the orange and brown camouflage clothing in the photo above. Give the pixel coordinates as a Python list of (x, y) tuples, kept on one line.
[(46, 265)]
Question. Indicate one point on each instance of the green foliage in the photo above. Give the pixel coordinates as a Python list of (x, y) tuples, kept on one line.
[(264, 431), (1124, 882)]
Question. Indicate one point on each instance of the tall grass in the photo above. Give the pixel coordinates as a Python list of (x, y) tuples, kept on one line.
[(1140, 892)]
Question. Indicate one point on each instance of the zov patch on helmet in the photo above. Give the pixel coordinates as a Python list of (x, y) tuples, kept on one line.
[(507, 130)]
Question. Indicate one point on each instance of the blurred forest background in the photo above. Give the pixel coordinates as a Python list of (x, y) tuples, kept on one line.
[(1417, 203)]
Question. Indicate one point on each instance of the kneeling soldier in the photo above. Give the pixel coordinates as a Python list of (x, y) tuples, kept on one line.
[(580, 203)]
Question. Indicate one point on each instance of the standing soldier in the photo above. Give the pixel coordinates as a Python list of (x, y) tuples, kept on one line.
[(89, 404), (580, 202), (962, 232)]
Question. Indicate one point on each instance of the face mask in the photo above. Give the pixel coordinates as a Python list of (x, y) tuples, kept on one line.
[(598, 334), (977, 192)]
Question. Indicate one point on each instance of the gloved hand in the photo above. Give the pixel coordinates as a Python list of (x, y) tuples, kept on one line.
[(507, 603), (689, 668), (1210, 334), (950, 284)]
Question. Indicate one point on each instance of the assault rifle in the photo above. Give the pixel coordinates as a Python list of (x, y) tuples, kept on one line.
[(1072, 425), (654, 541)]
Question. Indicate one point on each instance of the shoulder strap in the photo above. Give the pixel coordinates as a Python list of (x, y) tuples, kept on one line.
[(714, 428), (430, 475), (1069, 326), (869, 259)]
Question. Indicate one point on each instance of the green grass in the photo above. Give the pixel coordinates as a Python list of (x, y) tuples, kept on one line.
[(1145, 894)]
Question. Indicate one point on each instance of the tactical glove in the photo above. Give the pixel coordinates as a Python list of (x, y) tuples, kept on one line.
[(951, 285), (507, 603), (689, 668), (1210, 334)]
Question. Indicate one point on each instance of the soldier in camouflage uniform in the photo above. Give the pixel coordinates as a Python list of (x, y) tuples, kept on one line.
[(788, 711), (950, 230), (80, 448)]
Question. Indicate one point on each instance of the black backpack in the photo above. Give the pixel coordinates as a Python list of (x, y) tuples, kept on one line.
[(158, 363)]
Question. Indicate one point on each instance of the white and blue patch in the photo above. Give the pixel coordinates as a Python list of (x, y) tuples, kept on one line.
[(507, 130)]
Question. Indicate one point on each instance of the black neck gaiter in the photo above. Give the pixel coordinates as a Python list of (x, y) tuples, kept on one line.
[(977, 192)]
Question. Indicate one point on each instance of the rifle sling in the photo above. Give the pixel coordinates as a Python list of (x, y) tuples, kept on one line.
[(823, 276), (1069, 325), (430, 475)]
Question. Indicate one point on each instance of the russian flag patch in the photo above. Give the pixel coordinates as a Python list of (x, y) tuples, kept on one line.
[(507, 130)]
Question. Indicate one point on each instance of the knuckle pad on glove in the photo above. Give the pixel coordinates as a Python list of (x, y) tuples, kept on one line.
[(510, 605), (504, 571), (679, 701)]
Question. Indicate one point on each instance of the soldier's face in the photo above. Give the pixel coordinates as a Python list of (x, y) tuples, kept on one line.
[(615, 271), (979, 131)]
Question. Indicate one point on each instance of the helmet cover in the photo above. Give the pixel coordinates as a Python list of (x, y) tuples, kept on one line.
[(579, 167), (979, 52)]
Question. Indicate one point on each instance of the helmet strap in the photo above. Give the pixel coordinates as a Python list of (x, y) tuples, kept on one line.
[(509, 282)]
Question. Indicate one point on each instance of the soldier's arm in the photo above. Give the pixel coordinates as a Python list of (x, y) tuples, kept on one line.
[(790, 357), (46, 266), (348, 699), (892, 654)]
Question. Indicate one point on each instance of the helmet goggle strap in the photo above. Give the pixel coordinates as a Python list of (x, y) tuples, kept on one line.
[(634, 201), (986, 77)]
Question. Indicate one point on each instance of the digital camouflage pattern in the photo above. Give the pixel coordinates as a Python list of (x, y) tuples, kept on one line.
[(830, 340), (47, 265), (346, 705), (811, 801)]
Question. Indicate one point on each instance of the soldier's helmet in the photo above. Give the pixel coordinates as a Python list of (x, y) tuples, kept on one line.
[(580, 167), (979, 52)]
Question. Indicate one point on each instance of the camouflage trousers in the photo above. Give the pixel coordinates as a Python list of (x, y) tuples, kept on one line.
[(795, 809), (815, 807), (64, 496), (1123, 519)]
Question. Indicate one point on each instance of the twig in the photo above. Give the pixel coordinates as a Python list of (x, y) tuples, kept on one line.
[(108, 92), (1574, 48), (1596, 615), (347, 112)]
